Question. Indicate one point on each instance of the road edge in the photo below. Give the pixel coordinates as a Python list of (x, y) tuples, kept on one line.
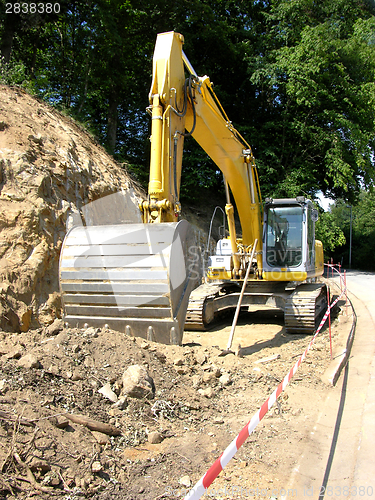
[(343, 347)]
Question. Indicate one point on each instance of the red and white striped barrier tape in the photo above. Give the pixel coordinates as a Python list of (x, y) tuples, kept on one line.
[(203, 484)]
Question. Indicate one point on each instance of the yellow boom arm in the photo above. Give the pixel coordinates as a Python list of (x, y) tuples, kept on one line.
[(176, 104)]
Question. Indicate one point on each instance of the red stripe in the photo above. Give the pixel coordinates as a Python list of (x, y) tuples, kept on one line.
[(263, 410), (212, 473), (279, 390), (242, 436)]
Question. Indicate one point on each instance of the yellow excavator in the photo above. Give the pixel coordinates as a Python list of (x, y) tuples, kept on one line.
[(143, 278)]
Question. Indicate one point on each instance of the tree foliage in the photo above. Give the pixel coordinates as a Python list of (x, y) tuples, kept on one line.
[(296, 77), (318, 86), (361, 218), (329, 232), (364, 232)]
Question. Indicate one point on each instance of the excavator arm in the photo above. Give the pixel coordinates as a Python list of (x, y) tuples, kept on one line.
[(233, 156), (179, 103), (168, 115)]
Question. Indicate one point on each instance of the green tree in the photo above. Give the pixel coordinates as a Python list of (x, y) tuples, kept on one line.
[(329, 233), (317, 98), (363, 230), (296, 77), (363, 244)]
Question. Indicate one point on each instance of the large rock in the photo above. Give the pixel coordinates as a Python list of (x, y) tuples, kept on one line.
[(50, 172), (29, 361), (137, 383), (154, 437), (54, 328)]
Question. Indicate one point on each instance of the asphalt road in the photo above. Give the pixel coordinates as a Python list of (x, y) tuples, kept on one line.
[(339, 459)]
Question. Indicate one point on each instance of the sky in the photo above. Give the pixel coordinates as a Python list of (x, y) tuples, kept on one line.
[(323, 201)]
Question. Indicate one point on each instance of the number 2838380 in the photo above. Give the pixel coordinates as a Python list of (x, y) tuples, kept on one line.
[(32, 8)]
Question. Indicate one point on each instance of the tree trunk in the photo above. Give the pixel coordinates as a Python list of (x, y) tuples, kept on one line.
[(112, 121), (35, 52), (10, 24)]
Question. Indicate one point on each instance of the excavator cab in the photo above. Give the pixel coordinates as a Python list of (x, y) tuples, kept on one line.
[(290, 251)]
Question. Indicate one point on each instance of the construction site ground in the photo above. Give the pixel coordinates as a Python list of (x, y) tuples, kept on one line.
[(201, 402), (51, 170)]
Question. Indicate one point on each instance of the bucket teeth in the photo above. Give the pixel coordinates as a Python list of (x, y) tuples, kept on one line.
[(150, 334), (174, 337)]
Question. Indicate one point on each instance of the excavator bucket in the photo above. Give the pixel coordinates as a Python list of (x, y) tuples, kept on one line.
[(134, 278)]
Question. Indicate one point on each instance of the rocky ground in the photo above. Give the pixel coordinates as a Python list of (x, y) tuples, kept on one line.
[(73, 425)]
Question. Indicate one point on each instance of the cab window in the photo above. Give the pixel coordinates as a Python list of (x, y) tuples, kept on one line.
[(284, 236)]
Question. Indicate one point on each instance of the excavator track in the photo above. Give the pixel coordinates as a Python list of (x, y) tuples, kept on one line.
[(200, 310), (305, 308)]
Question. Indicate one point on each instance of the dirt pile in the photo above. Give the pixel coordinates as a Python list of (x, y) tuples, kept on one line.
[(49, 169), (70, 427)]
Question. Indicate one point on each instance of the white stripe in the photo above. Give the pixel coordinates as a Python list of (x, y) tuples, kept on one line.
[(229, 453), (196, 492), (286, 380), (253, 423), (272, 399)]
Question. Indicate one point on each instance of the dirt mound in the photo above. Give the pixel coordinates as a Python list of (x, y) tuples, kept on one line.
[(61, 437), (49, 169)]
